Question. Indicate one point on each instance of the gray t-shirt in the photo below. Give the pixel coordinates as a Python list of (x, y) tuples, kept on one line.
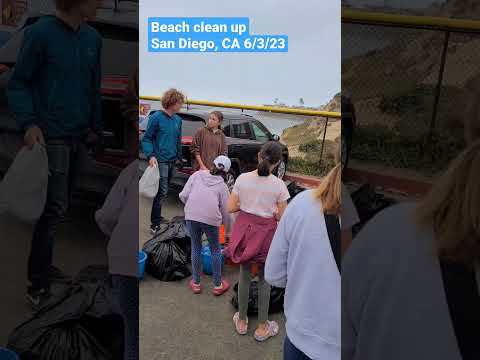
[(393, 300)]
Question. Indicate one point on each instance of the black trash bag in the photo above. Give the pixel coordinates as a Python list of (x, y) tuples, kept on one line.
[(276, 299), (93, 274), (176, 231), (166, 260), (294, 189), (81, 324), (368, 203)]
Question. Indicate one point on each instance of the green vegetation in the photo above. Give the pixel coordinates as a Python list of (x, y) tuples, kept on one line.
[(310, 168), (312, 146), (376, 143)]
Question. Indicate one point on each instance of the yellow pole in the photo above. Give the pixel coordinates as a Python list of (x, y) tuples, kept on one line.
[(433, 22), (273, 109)]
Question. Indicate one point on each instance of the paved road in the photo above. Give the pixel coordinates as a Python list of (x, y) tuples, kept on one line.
[(175, 324), (79, 243)]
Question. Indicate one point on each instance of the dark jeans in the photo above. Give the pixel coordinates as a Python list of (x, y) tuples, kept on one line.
[(166, 172), (63, 158), (290, 352), (196, 230), (125, 289)]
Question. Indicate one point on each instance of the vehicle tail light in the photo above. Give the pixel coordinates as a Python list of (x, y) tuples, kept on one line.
[(187, 140)]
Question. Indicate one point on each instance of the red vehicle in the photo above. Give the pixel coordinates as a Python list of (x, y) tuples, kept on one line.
[(120, 40)]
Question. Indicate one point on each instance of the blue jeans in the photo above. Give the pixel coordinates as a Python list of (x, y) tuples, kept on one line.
[(125, 289), (290, 352), (196, 230), (166, 171), (63, 167)]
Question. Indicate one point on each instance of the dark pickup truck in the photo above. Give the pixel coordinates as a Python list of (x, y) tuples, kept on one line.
[(245, 137)]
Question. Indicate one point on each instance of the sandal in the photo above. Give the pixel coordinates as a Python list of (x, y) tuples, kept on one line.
[(236, 320), (272, 330)]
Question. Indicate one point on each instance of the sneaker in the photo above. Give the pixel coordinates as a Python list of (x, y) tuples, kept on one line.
[(58, 276), (217, 291), (155, 228), (38, 298), (196, 288)]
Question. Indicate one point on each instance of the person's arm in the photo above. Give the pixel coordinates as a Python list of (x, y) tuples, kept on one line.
[(282, 201), (187, 189), (195, 149), (97, 119), (179, 142), (226, 219), (276, 263), (149, 138), (233, 203), (281, 207), (349, 217), (224, 150), (19, 88)]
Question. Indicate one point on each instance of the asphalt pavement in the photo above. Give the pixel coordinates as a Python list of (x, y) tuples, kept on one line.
[(176, 324)]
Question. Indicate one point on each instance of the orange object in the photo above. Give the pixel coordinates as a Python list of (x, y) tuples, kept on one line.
[(222, 235), (254, 269)]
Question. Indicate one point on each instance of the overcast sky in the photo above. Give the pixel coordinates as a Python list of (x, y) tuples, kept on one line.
[(403, 4), (310, 70)]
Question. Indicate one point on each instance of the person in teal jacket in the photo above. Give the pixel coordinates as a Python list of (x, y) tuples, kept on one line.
[(54, 94), (162, 147)]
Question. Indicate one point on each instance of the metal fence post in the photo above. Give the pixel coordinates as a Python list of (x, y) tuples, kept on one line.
[(437, 93), (323, 141)]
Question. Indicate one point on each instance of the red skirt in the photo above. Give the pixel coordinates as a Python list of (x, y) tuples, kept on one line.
[(251, 238)]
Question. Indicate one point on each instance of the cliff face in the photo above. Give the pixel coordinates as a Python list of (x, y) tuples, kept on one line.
[(311, 132), (406, 70)]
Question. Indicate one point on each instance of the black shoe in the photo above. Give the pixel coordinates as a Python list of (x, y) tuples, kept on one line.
[(155, 228), (58, 276), (38, 298)]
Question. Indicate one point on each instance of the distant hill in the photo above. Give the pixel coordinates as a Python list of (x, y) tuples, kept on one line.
[(311, 132)]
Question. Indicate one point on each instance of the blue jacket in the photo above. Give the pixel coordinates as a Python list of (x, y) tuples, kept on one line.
[(56, 82), (163, 138)]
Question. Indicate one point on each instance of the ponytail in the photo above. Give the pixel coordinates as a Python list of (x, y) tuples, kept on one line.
[(264, 168), (270, 154), (218, 172)]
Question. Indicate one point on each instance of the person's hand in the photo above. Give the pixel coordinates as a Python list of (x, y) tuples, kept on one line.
[(32, 136), (153, 162)]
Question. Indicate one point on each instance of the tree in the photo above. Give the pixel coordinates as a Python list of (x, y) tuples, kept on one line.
[(301, 101)]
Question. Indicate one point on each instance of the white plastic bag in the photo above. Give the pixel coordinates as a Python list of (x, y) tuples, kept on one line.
[(23, 190), (149, 182)]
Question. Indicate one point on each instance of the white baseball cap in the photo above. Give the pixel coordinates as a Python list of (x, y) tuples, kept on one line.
[(223, 162)]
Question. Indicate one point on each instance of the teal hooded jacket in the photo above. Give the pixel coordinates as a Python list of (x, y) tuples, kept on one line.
[(56, 81)]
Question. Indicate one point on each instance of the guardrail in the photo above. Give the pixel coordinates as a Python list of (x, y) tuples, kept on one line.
[(271, 109), (460, 28)]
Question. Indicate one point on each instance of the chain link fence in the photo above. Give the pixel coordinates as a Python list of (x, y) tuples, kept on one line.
[(408, 86)]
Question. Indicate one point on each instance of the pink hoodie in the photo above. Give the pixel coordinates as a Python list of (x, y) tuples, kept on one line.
[(205, 197)]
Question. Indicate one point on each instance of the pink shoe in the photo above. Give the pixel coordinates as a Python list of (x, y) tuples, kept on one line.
[(272, 330), (196, 288), (221, 290), (236, 322)]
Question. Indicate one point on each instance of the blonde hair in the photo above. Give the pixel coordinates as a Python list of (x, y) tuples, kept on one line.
[(171, 97), (329, 192), (452, 209)]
